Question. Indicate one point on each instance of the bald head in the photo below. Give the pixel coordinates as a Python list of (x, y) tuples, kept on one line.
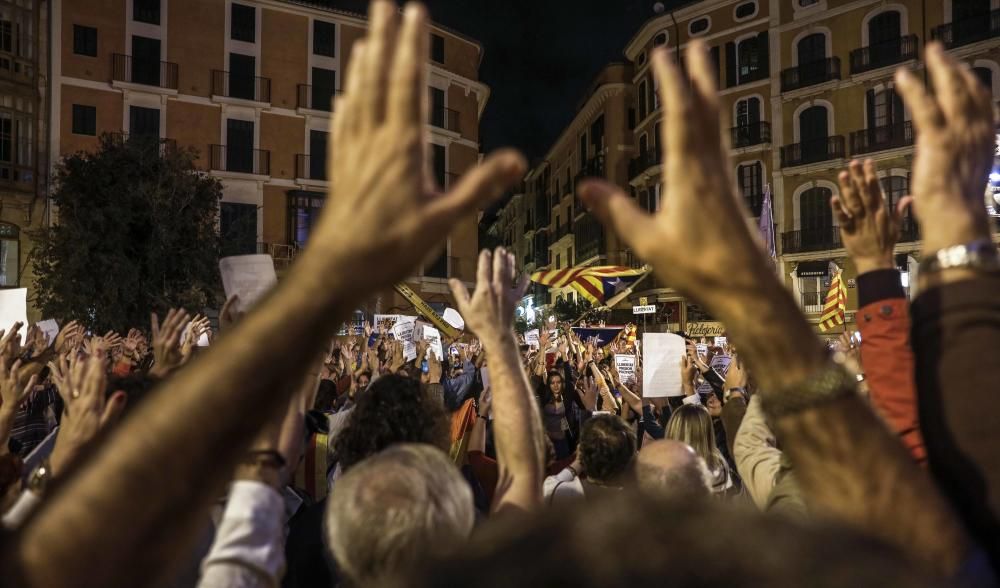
[(672, 469)]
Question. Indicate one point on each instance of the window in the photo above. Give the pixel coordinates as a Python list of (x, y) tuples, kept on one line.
[(324, 38), (745, 11), (242, 76), (144, 122), (6, 35), (9, 255), (631, 119), (813, 290), (750, 179), (569, 257), (437, 108), (985, 76), (699, 25), (811, 48), (303, 212), (239, 146), (147, 11), (643, 104), (558, 261), (804, 3), (324, 86), (85, 40), (883, 109), (747, 123), (816, 218), (641, 59), (752, 59), (145, 60), (660, 39), (238, 228), (317, 154), (813, 124), (583, 151), (84, 120), (16, 147), (440, 161), (437, 48), (243, 25)]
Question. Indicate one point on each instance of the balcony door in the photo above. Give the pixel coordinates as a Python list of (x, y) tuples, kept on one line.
[(884, 33), (242, 76), (811, 48), (145, 61), (748, 122), (239, 146), (814, 133), (238, 225), (816, 219), (884, 114), (970, 20)]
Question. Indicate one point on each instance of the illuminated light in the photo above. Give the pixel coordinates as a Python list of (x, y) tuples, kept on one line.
[(994, 177)]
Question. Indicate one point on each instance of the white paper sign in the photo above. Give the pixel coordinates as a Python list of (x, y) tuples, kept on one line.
[(13, 309), (720, 342), (661, 358), (403, 331), (625, 364), (647, 309), (453, 318), (433, 336), (702, 349), (385, 321), (721, 364), (248, 276), (484, 372), (50, 327), (531, 338)]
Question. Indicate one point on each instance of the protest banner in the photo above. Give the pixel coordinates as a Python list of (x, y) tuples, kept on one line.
[(661, 360), (248, 276), (625, 364)]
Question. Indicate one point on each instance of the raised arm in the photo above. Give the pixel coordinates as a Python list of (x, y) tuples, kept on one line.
[(517, 423), (849, 465), (144, 494)]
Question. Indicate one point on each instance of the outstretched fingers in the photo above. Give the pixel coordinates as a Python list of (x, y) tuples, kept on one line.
[(477, 188), (620, 213)]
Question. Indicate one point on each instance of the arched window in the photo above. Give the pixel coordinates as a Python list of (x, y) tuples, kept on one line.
[(660, 39), (811, 48), (747, 122), (816, 218), (970, 20), (985, 76), (895, 187), (750, 179), (813, 133)]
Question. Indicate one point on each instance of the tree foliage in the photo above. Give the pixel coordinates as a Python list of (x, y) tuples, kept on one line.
[(567, 310), (135, 231)]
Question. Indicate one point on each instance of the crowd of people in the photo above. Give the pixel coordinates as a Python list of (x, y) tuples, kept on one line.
[(282, 454)]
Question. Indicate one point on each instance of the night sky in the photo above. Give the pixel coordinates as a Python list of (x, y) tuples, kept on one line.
[(540, 57)]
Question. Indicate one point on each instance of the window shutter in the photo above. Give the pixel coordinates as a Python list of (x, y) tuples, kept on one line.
[(730, 64), (715, 62), (762, 54)]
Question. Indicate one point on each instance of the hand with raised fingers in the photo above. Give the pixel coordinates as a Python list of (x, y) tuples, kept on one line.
[(433, 369), (489, 312), (167, 355), (688, 373), (81, 383), (12, 393), (869, 226), (10, 344), (384, 204), (199, 325), (955, 133), (35, 341), (70, 337), (701, 210)]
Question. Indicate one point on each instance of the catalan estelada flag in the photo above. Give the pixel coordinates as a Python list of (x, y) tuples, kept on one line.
[(835, 307), (595, 283)]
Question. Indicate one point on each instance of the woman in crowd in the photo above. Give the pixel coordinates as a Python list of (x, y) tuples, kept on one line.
[(692, 424)]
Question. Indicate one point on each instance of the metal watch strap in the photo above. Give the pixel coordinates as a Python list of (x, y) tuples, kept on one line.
[(978, 255), (832, 383)]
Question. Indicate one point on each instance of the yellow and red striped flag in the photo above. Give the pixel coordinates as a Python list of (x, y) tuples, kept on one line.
[(835, 307), (595, 283)]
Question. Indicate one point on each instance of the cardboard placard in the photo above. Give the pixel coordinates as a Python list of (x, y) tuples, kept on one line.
[(625, 364), (661, 360), (248, 276)]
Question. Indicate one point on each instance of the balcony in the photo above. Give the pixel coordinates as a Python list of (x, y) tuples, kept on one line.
[(316, 97), (882, 138), (811, 240), (542, 211), (240, 160), (969, 30), (882, 54), (282, 254), (445, 118), (812, 302), (147, 72), (142, 140), (594, 168), (813, 151), (308, 167), (810, 74), (754, 134), (253, 88), (641, 164), (562, 231)]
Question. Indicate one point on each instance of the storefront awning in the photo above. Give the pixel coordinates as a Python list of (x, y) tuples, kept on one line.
[(813, 269)]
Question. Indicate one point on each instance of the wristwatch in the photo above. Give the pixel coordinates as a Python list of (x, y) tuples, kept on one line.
[(39, 478), (979, 255)]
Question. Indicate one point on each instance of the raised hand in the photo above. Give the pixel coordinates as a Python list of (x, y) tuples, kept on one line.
[(701, 210), (69, 338), (199, 325), (134, 345), (10, 344), (689, 371), (384, 204), (489, 312), (955, 141), (167, 354), (12, 393), (35, 342), (869, 226), (86, 411)]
